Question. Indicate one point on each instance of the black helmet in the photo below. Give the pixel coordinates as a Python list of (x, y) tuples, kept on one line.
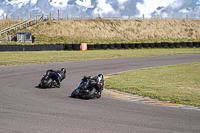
[(63, 70), (100, 75)]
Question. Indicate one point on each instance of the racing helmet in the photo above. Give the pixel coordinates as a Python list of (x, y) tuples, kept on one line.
[(100, 75), (63, 70)]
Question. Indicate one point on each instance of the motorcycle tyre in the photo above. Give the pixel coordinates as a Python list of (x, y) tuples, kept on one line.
[(90, 95), (48, 84), (73, 93), (99, 96)]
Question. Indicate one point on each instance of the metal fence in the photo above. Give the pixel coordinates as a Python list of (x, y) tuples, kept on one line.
[(110, 16)]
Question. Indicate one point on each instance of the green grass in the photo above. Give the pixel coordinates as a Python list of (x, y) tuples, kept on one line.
[(175, 83), (24, 57)]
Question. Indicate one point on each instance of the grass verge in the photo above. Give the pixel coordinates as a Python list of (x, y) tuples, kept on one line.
[(175, 83), (36, 57)]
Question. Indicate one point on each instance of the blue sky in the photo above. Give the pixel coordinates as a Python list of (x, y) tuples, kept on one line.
[(91, 8)]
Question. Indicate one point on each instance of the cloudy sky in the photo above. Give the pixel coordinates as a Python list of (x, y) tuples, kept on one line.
[(104, 8)]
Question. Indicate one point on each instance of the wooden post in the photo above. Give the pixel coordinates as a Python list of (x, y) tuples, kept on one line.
[(6, 37), (9, 38), (50, 16), (129, 17), (36, 19), (113, 16), (67, 16), (58, 15), (18, 17), (143, 16), (30, 15), (3, 16)]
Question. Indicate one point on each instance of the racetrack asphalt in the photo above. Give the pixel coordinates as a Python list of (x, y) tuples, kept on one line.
[(24, 108)]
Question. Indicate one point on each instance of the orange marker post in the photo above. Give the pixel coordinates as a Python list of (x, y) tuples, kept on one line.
[(83, 46)]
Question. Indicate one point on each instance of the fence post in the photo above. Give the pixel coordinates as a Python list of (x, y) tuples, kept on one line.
[(67, 16), (30, 15), (143, 16), (58, 15), (6, 37), (50, 16), (9, 38)]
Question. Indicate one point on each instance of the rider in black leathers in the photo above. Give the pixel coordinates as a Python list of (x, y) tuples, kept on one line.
[(98, 78)]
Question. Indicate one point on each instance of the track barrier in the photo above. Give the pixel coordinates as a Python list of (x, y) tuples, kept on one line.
[(84, 46)]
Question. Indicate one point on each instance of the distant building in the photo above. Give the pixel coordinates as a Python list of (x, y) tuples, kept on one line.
[(25, 37)]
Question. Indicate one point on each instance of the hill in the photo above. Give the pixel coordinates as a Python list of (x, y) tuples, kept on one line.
[(95, 31)]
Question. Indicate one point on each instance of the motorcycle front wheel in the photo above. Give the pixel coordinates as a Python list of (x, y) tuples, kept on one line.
[(99, 94), (74, 93)]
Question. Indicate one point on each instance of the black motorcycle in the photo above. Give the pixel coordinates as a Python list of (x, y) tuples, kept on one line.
[(89, 87), (46, 82)]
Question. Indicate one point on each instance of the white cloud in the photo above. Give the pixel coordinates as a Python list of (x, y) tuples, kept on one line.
[(150, 6), (58, 3), (122, 1), (33, 1), (20, 3), (103, 8), (85, 3), (180, 4), (1, 12)]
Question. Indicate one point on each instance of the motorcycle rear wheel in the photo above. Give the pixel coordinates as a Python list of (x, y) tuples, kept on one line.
[(89, 95), (47, 84)]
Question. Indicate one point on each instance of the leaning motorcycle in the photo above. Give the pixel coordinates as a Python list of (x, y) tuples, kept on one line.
[(46, 82), (89, 87)]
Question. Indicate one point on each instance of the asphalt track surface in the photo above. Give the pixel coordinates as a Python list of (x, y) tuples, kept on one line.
[(27, 109)]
